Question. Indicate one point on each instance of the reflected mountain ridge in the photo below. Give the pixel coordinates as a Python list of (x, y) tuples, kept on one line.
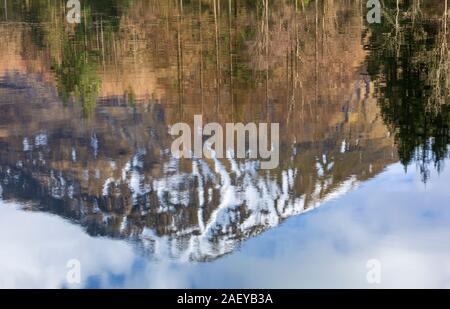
[(85, 112), (200, 209)]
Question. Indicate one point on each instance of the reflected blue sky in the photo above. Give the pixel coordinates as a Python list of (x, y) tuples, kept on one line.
[(394, 218)]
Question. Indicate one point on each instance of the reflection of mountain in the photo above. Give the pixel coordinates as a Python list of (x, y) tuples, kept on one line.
[(118, 179), (113, 173)]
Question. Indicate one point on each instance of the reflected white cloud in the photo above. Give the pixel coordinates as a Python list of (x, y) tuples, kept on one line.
[(36, 247)]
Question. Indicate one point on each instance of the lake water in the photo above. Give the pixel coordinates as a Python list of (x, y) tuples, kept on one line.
[(88, 181)]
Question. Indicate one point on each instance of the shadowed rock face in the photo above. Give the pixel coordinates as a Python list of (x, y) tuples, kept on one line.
[(112, 172)]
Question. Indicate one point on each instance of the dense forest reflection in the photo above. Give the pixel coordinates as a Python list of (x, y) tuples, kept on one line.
[(409, 61), (85, 109)]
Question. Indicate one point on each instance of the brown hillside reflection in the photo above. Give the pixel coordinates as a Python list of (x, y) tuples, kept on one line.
[(85, 113)]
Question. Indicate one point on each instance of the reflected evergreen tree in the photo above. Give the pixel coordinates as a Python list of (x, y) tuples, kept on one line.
[(78, 77), (408, 62)]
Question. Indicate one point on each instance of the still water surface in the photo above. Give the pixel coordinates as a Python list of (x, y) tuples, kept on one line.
[(86, 171)]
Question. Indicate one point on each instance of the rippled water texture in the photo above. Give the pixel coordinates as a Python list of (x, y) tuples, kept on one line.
[(86, 171)]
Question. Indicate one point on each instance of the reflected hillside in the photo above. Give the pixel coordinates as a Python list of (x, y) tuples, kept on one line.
[(85, 112)]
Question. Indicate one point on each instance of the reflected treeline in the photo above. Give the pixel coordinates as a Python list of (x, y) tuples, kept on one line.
[(197, 51), (409, 60)]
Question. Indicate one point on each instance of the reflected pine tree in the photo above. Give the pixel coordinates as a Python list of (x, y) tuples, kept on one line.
[(78, 77), (409, 63)]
